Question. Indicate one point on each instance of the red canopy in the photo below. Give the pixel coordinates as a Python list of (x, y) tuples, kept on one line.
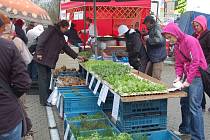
[(110, 15), (139, 3)]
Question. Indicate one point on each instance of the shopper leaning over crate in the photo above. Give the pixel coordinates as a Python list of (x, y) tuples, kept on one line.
[(188, 58), (137, 54), (49, 45)]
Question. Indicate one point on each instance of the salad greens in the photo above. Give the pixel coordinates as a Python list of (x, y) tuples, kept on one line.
[(86, 54), (121, 136), (130, 84), (98, 115), (120, 78)]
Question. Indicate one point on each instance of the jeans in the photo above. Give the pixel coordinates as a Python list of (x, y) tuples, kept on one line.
[(44, 75), (32, 69), (14, 134), (192, 115)]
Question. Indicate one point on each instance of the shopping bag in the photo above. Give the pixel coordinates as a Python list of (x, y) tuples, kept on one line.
[(206, 80)]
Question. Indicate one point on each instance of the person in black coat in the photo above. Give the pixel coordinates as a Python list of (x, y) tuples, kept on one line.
[(72, 35), (203, 35), (49, 45), (137, 54)]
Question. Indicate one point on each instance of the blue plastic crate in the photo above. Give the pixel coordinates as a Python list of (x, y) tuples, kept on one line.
[(79, 103), (142, 124), (143, 107), (156, 135), (104, 119), (139, 116), (77, 99), (70, 115)]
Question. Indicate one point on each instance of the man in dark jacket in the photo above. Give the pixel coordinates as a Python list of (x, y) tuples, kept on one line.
[(137, 55), (49, 45), (73, 37), (13, 72), (156, 49)]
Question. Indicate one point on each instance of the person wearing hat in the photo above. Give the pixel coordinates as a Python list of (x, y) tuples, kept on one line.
[(13, 73), (137, 54), (156, 49)]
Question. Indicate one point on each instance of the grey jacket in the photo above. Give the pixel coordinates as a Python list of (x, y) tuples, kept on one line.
[(156, 45)]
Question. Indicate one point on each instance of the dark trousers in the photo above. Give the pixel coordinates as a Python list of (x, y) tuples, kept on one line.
[(44, 74), (32, 69)]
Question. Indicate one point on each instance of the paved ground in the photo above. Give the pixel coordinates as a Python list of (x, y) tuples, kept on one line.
[(40, 124)]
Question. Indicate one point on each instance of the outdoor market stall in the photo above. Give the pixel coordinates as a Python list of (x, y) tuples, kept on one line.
[(126, 100)]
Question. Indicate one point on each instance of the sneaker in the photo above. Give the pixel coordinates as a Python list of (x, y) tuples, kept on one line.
[(177, 133), (180, 133)]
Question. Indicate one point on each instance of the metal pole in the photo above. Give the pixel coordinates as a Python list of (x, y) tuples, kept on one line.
[(84, 17), (95, 36)]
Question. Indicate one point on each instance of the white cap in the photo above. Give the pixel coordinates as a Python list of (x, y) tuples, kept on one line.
[(122, 29)]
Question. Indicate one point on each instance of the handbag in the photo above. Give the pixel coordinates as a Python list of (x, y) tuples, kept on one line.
[(205, 76), (26, 122)]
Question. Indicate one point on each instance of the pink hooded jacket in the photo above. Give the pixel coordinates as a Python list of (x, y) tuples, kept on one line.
[(191, 48)]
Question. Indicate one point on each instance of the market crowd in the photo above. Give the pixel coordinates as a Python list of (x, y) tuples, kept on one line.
[(32, 52)]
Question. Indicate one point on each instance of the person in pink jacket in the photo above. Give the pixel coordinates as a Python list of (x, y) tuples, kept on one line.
[(188, 58), (202, 33)]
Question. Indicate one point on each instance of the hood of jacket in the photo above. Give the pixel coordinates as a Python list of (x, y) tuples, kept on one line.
[(202, 21), (174, 30)]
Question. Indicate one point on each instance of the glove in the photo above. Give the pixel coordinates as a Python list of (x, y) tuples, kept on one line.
[(177, 79), (185, 84)]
